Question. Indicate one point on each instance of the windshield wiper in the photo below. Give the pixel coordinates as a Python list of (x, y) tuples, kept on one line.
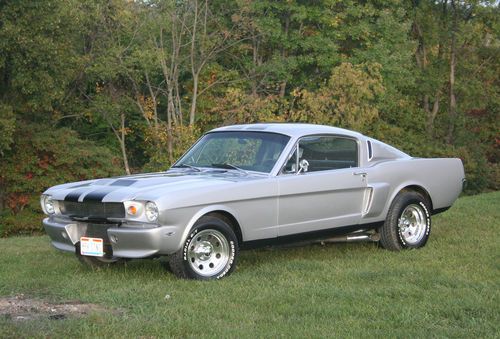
[(229, 166), (187, 166)]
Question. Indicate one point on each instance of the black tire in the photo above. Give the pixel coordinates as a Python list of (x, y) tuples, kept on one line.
[(409, 212), (97, 262), (209, 252), (165, 264)]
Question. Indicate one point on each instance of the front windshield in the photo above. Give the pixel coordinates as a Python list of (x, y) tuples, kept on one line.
[(250, 151)]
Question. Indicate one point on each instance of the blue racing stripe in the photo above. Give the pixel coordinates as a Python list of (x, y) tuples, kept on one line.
[(98, 195), (124, 182), (75, 195)]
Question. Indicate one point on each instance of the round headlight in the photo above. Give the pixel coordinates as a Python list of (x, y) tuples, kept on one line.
[(152, 211), (48, 204)]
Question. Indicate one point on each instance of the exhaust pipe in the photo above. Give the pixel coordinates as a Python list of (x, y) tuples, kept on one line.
[(353, 238), (359, 236)]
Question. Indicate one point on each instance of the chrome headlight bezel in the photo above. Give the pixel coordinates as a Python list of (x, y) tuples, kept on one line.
[(151, 211), (137, 205), (141, 211), (48, 204)]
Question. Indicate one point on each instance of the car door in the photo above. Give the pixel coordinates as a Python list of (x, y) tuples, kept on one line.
[(321, 185)]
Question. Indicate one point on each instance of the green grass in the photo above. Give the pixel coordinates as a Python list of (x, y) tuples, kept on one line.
[(448, 289)]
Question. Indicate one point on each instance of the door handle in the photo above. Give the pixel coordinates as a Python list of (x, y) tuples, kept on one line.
[(363, 174)]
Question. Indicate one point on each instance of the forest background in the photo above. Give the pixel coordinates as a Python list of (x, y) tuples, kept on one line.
[(108, 87)]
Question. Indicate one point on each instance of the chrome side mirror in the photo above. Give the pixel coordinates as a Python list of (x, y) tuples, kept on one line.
[(303, 166)]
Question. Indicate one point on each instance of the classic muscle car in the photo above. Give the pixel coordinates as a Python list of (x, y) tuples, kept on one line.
[(244, 186)]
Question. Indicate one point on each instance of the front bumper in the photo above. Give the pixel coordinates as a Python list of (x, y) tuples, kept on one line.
[(126, 242)]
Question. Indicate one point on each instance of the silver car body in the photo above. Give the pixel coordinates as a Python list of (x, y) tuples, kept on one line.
[(263, 207)]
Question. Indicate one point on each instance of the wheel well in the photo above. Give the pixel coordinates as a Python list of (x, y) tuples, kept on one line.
[(231, 221), (422, 191)]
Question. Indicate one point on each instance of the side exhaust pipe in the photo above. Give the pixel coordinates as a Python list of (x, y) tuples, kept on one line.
[(359, 236), (355, 237)]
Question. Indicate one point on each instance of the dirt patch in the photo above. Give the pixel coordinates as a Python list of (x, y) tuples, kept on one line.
[(21, 308)]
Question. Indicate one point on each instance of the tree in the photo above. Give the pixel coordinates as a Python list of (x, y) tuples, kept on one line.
[(38, 56), (347, 100), (7, 126), (289, 44), (143, 79), (42, 156)]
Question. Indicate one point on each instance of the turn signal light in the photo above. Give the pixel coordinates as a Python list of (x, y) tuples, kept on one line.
[(132, 210)]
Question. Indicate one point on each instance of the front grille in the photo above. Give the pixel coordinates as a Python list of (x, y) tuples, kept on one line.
[(98, 231), (92, 210)]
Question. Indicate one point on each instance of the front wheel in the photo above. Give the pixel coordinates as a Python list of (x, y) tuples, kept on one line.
[(408, 222), (209, 252)]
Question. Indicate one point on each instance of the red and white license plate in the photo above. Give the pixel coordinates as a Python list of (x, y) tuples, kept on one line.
[(91, 247)]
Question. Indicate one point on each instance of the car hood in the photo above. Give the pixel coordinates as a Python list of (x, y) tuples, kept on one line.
[(150, 186)]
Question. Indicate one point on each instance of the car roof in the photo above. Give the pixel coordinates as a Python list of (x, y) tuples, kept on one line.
[(290, 129)]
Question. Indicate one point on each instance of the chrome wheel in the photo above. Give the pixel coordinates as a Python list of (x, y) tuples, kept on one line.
[(412, 224), (208, 252)]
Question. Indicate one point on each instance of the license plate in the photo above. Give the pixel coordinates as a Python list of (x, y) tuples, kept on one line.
[(91, 247)]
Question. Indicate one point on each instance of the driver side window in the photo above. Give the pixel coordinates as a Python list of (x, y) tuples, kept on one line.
[(322, 153)]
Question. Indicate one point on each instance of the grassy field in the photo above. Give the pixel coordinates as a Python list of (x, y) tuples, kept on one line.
[(448, 289)]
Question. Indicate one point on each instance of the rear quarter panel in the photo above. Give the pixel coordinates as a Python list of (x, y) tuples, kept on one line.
[(441, 177)]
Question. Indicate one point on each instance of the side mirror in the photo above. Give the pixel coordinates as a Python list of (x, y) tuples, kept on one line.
[(303, 166)]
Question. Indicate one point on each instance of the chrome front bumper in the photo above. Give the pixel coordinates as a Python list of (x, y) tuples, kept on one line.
[(126, 242)]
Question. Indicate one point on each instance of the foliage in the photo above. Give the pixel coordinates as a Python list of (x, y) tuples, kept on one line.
[(7, 125), (141, 80), (157, 139), (347, 100), (42, 157), (285, 44), (26, 222), (238, 107), (38, 57)]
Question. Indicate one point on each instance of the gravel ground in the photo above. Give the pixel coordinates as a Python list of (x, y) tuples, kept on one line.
[(21, 308)]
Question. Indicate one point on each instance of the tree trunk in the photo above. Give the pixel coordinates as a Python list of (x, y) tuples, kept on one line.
[(425, 103), (253, 71), (153, 97), (178, 101), (431, 115), (170, 113), (421, 58), (170, 78), (194, 69), (283, 89), (2, 204), (194, 99), (284, 52), (122, 143), (452, 110), (452, 113)]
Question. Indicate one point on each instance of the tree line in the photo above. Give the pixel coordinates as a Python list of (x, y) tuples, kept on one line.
[(108, 87)]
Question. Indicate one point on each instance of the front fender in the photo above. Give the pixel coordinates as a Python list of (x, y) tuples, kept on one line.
[(206, 210)]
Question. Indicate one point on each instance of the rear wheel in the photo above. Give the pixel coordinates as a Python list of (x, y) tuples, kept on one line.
[(209, 252), (408, 222)]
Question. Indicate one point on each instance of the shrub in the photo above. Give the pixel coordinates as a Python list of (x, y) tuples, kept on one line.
[(42, 156)]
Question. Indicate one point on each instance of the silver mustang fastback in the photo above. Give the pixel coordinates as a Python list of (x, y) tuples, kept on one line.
[(252, 185)]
